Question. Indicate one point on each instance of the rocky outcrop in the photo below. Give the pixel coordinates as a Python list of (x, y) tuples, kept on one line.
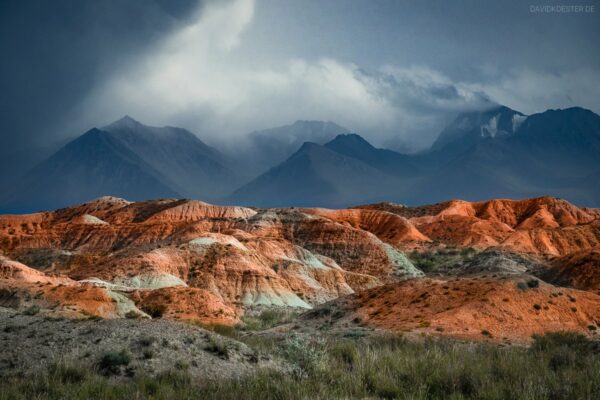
[(186, 304)]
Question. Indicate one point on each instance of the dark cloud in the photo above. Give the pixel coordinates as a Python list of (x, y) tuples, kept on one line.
[(457, 37), (54, 52)]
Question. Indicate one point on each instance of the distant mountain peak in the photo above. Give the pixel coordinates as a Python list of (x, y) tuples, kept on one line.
[(129, 126), (473, 126), (313, 123), (503, 109), (127, 118), (569, 109), (314, 175), (125, 122), (567, 112), (388, 161), (92, 137), (349, 139), (263, 149)]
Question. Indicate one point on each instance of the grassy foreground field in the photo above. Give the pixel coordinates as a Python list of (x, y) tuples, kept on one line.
[(557, 366)]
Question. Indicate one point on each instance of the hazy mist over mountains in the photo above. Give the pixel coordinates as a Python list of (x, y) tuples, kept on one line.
[(497, 153)]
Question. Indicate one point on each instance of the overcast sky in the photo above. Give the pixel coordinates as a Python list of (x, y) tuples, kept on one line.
[(394, 71)]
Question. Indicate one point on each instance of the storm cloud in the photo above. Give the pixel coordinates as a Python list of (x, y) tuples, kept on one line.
[(394, 71)]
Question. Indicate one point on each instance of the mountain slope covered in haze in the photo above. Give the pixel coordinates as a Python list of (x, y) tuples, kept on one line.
[(191, 167), (493, 153), (315, 175), (548, 154), (260, 150), (472, 127), (93, 165), (127, 159), (467, 130)]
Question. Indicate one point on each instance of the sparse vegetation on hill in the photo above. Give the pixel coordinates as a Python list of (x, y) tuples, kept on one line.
[(442, 260), (556, 366), (268, 318)]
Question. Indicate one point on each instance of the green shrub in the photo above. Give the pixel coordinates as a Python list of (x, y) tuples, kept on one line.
[(346, 352), (306, 354), (533, 283), (468, 252), (268, 319), (573, 341), (218, 347), (66, 373), (442, 260), (176, 379), (147, 341), (223, 330), (111, 362)]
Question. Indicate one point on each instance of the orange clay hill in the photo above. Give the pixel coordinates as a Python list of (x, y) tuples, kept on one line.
[(456, 268), (507, 309)]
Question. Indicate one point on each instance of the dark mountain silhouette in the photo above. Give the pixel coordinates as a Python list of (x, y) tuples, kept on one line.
[(472, 127), (191, 167), (467, 130), (388, 161), (125, 159), (93, 165), (314, 175)]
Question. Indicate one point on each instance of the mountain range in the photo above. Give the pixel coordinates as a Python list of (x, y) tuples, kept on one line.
[(495, 153)]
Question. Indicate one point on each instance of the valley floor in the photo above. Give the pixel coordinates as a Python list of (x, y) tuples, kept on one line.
[(132, 359)]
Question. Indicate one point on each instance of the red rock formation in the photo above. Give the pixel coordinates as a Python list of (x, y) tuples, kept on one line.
[(389, 227), (187, 304), (209, 263), (542, 226), (478, 308), (239, 258)]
